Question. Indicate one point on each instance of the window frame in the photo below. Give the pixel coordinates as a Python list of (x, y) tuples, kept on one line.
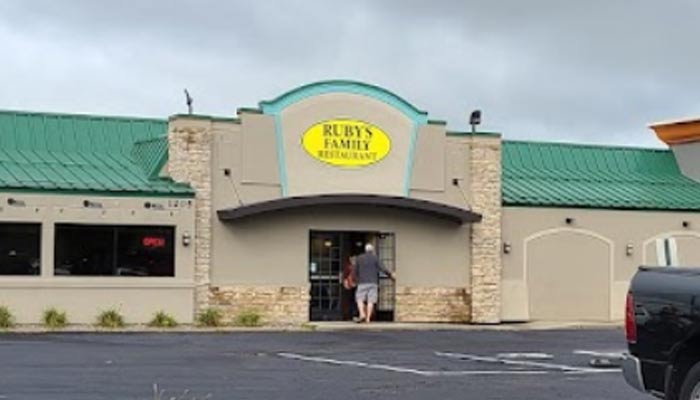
[(114, 231), (40, 226)]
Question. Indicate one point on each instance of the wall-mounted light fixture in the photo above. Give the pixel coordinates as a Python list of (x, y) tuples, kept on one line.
[(91, 204), (457, 182), (629, 249), (186, 239), (15, 202), (569, 220), (507, 248), (153, 206), (227, 171), (475, 119), (686, 224)]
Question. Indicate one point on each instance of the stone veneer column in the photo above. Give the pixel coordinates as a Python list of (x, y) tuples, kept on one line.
[(189, 158), (485, 170)]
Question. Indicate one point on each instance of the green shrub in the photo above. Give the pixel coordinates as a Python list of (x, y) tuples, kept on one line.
[(161, 319), (308, 326), (248, 318), (53, 318), (110, 319), (7, 320), (210, 317)]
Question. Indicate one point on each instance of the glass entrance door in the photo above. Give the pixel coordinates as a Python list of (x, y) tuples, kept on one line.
[(386, 251), (325, 269), (329, 252)]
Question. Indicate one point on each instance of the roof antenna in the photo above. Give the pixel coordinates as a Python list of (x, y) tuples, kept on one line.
[(188, 100)]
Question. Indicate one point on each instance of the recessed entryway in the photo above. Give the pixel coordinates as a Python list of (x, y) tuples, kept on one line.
[(329, 256)]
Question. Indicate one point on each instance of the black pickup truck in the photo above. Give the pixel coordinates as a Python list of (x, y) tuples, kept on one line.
[(662, 323)]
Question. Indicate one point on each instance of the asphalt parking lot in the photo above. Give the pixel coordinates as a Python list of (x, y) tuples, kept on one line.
[(312, 365)]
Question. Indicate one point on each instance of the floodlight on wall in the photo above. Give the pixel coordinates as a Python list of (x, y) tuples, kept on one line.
[(186, 239), (507, 248), (686, 224), (91, 204), (475, 119), (629, 249), (15, 203), (569, 220)]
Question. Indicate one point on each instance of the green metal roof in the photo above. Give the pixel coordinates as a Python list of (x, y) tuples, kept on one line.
[(81, 153), (124, 156), (568, 175), (151, 155)]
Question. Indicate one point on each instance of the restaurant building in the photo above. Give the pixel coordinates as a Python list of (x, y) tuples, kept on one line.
[(260, 213)]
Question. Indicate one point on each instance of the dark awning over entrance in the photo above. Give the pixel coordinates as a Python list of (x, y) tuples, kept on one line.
[(428, 208)]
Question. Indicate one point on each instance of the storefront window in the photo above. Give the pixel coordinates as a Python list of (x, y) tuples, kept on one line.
[(20, 248), (100, 250)]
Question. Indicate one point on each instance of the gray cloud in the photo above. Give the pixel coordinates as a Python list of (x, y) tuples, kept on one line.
[(593, 71)]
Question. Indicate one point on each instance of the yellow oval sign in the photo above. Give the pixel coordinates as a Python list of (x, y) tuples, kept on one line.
[(346, 143)]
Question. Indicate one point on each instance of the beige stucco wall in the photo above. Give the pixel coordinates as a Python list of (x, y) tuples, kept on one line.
[(688, 159), (248, 151), (245, 170), (83, 297), (306, 175), (268, 252), (274, 249), (563, 286), (541, 236), (440, 159)]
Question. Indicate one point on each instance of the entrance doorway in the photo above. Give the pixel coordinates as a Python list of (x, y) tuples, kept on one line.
[(329, 253)]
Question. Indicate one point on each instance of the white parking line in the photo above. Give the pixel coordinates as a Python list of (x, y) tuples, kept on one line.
[(385, 367), (526, 356), (613, 355), (522, 363)]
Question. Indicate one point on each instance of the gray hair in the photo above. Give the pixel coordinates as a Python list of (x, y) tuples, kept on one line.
[(369, 248)]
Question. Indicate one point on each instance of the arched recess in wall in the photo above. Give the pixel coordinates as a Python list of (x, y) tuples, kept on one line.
[(569, 275), (688, 243)]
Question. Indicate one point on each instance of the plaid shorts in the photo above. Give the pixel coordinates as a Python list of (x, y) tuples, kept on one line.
[(367, 292)]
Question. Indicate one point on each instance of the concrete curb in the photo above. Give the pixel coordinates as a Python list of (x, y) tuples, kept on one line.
[(321, 327), (530, 326), (39, 329)]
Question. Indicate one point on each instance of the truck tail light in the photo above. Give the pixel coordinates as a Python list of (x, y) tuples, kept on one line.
[(630, 322)]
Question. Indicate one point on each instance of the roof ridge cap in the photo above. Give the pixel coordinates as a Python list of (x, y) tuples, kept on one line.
[(80, 115), (586, 145)]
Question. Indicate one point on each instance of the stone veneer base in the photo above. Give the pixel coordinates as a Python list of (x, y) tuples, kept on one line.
[(432, 304), (276, 305)]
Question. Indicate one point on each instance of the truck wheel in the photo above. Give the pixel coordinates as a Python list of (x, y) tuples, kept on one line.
[(690, 390)]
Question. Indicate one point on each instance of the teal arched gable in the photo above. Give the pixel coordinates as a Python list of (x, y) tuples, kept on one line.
[(276, 106)]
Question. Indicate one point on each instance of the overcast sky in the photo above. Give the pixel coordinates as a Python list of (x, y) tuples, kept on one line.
[(591, 71)]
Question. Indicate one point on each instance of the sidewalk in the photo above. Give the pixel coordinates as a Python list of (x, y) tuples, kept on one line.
[(322, 327), (524, 326)]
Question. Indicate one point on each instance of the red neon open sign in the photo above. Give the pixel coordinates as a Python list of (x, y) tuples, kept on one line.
[(153, 241)]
